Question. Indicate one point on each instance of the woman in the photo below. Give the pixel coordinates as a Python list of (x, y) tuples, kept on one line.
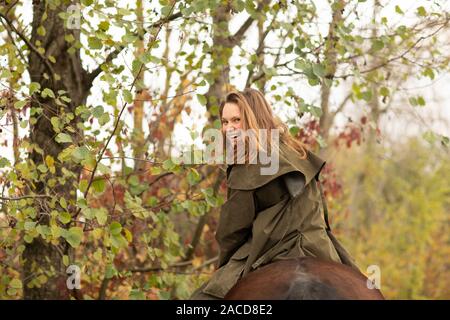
[(267, 217)]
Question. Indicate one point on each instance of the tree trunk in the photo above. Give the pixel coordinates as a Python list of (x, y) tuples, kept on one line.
[(41, 257), (138, 103), (219, 77), (326, 120)]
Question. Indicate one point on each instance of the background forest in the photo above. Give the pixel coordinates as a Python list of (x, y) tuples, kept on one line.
[(96, 96)]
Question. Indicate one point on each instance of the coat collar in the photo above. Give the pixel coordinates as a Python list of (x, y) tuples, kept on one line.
[(249, 177)]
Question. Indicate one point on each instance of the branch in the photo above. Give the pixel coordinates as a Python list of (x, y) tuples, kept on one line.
[(203, 219), (400, 56), (260, 49), (29, 44), (25, 197), (10, 35), (112, 55), (237, 37), (116, 125), (343, 103), (176, 265), (103, 287)]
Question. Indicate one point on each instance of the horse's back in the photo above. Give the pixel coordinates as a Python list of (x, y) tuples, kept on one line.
[(303, 278)]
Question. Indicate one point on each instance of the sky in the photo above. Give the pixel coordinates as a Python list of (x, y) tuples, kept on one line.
[(401, 122)]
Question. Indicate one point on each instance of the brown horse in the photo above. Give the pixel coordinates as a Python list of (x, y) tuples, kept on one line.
[(303, 278)]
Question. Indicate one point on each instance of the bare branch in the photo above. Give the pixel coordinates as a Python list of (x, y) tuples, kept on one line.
[(402, 55), (25, 197), (112, 55), (239, 35), (29, 44), (116, 125), (177, 265)]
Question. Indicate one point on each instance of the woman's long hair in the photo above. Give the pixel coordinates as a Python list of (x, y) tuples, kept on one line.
[(256, 113)]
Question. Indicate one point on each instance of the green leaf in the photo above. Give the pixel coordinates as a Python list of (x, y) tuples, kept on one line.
[(118, 241), (82, 186), (429, 136), (429, 73), (413, 101), (134, 180), (64, 217), (101, 215), (123, 11), (421, 11), (95, 43), (318, 70), (98, 111), (165, 11), (115, 228), (80, 153), (398, 10), (420, 101), (20, 104), (63, 202), (63, 138), (103, 169), (42, 168), (384, 91), (168, 165), (4, 162), (73, 236), (202, 99), (41, 31), (294, 130), (104, 119), (289, 49), (129, 38), (367, 95), (55, 123), (193, 176), (66, 260), (65, 99), (136, 294), (16, 284), (34, 87), (47, 93), (127, 96), (69, 38), (110, 271), (315, 111), (98, 185), (104, 25), (377, 45), (29, 225)]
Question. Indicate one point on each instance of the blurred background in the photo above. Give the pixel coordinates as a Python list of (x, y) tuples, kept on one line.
[(98, 96)]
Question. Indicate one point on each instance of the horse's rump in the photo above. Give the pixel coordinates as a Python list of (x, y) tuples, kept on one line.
[(303, 278)]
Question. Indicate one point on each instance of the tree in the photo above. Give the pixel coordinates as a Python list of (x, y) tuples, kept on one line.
[(82, 79)]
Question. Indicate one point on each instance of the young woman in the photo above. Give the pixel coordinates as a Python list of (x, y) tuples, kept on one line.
[(267, 217)]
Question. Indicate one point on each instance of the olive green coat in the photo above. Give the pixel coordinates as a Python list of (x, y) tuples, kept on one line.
[(262, 222)]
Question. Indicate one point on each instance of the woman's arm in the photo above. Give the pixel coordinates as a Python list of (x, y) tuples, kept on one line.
[(235, 223)]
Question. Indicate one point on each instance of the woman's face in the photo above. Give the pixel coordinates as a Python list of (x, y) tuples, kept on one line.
[(231, 121)]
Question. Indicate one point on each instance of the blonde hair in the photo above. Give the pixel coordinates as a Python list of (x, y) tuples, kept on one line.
[(256, 113)]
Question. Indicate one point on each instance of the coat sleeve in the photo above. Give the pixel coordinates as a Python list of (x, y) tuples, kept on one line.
[(235, 222)]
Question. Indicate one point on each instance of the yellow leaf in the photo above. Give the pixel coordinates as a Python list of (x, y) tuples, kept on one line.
[(49, 161), (197, 262)]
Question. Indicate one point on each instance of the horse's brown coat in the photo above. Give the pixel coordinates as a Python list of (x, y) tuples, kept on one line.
[(303, 279)]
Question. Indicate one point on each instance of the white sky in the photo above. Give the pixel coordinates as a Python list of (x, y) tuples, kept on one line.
[(403, 121)]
